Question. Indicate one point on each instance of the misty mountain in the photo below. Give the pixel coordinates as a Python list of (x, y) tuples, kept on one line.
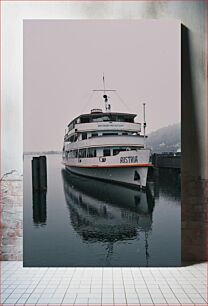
[(166, 139)]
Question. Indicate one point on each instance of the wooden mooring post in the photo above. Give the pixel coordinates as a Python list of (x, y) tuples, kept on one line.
[(39, 173), (43, 172)]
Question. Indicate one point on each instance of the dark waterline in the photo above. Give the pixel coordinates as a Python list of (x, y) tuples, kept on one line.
[(88, 223)]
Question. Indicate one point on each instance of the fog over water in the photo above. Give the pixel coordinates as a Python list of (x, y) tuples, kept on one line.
[(64, 60)]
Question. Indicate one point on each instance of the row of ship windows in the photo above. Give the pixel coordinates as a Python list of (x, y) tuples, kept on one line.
[(83, 136), (91, 152), (100, 118)]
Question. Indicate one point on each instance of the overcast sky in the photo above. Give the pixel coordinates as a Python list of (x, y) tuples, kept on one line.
[(64, 60)]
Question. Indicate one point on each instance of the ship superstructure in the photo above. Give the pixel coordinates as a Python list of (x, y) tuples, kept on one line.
[(107, 146)]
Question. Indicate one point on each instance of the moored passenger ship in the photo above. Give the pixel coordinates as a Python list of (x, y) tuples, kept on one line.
[(107, 146)]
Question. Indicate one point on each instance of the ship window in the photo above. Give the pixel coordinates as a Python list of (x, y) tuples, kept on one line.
[(75, 153), (92, 152), (110, 134), (129, 120), (124, 119), (84, 136), (82, 153), (106, 152), (97, 120), (124, 133), (113, 118), (75, 137), (71, 138), (94, 134), (70, 127), (117, 151), (100, 119), (85, 120), (106, 118)]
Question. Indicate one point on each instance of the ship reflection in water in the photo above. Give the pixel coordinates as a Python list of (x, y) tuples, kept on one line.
[(83, 222), (108, 213)]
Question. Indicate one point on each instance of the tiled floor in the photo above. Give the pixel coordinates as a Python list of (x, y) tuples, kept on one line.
[(103, 286)]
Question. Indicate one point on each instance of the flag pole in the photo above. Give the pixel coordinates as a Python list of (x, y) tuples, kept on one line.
[(144, 125)]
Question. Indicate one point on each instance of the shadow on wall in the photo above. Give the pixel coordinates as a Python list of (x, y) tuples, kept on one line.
[(194, 208)]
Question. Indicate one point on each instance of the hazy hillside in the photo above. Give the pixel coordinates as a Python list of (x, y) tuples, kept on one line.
[(167, 139)]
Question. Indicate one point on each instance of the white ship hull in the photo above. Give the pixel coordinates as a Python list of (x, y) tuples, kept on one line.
[(119, 175), (117, 169)]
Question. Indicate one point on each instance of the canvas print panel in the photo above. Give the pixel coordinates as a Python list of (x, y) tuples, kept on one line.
[(102, 143)]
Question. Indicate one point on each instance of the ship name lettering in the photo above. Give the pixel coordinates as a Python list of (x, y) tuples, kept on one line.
[(128, 159)]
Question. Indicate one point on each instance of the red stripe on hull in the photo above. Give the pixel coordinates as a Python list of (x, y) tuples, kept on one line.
[(109, 166)]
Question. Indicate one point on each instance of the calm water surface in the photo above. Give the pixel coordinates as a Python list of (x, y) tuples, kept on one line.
[(85, 222)]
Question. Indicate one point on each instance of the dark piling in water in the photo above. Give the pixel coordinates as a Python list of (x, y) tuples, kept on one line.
[(35, 173), (39, 173), (43, 172)]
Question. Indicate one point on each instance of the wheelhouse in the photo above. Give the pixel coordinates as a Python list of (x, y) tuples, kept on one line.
[(99, 116)]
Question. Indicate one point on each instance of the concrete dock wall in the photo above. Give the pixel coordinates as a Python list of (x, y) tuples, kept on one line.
[(170, 161)]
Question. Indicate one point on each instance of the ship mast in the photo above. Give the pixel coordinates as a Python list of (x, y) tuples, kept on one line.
[(107, 105), (105, 96)]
